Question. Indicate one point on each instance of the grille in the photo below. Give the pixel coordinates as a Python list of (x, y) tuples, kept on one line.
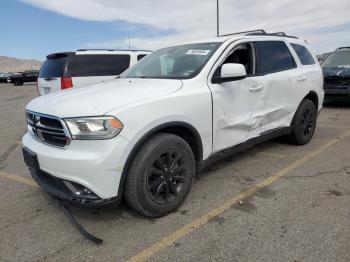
[(47, 129)]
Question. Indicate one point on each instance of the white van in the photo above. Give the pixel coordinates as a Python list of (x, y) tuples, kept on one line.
[(84, 67)]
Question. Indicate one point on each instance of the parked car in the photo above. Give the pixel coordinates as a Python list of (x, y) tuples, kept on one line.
[(322, 57), (23, 77), (12, 74), (84, 67), (4, 76), (144, 135), (336, 71)]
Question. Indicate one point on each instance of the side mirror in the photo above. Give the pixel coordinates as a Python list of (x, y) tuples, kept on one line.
[(230, 72)]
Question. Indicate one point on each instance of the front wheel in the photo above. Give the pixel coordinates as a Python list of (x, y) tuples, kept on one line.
[(304, 123), (160, 176), (18, 83)]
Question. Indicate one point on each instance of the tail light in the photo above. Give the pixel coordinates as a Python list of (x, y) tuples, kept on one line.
[(66, 82)]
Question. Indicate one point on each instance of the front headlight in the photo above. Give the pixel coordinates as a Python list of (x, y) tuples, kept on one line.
[(100, 127)]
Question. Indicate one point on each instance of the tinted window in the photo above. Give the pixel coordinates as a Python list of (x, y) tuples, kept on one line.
[(303, 54), (53, 67), (139, 57), (98, 65), (273, 56)]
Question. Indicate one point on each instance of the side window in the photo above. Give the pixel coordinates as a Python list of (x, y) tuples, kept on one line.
[(273, 56), (139, 57), (241, 54), (303, 54)]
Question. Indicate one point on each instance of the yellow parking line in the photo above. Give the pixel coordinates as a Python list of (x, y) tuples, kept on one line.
[(204, 219), (18, 179)]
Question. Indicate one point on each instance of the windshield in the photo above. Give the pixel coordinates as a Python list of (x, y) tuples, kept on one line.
[(337, 59), (177, 62)]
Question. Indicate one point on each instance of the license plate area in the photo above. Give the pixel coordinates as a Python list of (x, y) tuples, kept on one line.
[(46, 90), (30, 158)]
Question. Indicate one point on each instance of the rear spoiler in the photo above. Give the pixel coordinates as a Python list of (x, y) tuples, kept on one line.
[(59, 55)]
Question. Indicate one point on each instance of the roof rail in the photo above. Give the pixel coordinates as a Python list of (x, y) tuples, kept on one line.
[(262, 31), (272, 34), (342, 48), (107, 49)]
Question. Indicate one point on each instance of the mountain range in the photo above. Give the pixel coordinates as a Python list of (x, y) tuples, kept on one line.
[(11, 64)]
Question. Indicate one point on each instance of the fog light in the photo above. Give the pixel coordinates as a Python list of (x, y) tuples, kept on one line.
[(80, 190)]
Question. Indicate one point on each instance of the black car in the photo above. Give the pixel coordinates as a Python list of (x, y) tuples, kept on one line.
[(26, 76), (336, 72), (4, 76)]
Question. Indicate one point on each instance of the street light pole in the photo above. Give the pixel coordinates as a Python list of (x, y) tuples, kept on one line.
[(217, 18)]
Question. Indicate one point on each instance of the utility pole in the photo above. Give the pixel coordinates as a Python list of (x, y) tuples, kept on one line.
[(217, 18), (129, 42)]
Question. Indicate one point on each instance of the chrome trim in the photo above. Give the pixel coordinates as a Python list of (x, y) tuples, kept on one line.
[(37, 133)]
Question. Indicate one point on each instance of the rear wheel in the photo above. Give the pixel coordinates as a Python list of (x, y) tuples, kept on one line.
[(304, 123), (160, 175)]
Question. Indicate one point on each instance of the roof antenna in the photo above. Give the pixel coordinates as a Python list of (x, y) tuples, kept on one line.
[(217, 18)]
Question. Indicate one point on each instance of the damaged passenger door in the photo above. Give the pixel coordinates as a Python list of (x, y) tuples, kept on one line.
[(234, 102), (275, 65)]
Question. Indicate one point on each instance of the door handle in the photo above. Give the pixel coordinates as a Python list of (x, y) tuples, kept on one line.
[(301, 78), (255, 88)]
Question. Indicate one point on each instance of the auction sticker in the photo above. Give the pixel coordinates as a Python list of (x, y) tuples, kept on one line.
[(197, 52)]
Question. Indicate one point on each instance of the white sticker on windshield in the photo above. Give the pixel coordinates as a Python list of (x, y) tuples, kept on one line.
[(197, 52)]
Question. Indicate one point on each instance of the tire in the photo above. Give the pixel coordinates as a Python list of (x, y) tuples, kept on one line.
[(304, 123), (18, 83), (154, 187)]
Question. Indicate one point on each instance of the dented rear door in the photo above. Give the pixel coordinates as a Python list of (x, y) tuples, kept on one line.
[(276, 67)]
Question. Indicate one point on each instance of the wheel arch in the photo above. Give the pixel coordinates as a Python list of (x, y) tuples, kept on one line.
[(312, 95), (182, 129)]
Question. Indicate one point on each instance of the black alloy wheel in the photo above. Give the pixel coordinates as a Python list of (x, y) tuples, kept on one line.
[(160, 175), (166, 177), (304, 123), (307, 122)]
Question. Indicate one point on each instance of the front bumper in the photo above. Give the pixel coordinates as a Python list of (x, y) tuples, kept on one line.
[(57, 188), (96, 165), (337, 92)]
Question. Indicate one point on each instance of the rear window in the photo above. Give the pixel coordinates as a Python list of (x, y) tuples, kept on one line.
[(273, 56), (303, 54), (53, 67), (97, 65)]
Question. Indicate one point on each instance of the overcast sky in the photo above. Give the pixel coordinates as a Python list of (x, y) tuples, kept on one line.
[(156, 23)]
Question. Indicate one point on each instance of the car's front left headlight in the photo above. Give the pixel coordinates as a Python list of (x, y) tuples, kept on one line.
[(92, 128)]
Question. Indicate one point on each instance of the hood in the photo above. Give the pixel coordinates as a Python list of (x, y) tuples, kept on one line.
[(338, 71), (98, 99)]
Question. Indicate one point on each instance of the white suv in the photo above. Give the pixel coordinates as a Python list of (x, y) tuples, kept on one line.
[(144, 135), (84, 67)]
